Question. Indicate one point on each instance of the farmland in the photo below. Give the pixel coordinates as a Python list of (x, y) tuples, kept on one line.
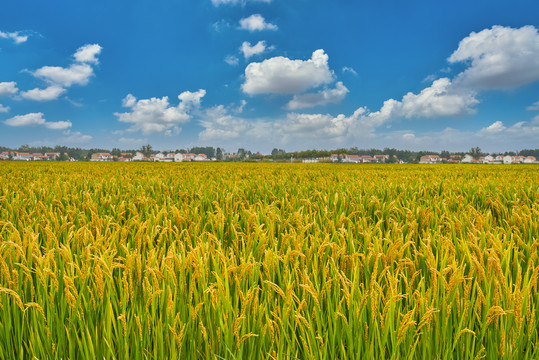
[(282, 261)]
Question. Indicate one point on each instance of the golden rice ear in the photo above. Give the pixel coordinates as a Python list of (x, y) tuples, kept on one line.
[(268, 261)]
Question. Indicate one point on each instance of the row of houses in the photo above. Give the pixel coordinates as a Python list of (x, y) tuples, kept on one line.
[(160, 157), (359, 159), (24, 156), (489, 159)]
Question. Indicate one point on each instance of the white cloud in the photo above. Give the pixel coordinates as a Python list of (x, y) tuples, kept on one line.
[(74, 137), (15, 36), (50, 93), (4, 109), (314, 126), (533, 107), (282, 75), (8, 88), (88, 54), (232, 60), (236, 2), (220, 125), (494, 128), (37, 119), (58, 125), (59, 78), (440, 99), (323, 97), (157, 115), (257, 49), (32, 119), (190, 100), (256, 22), (500, 57), (76, 74), (350, 70)]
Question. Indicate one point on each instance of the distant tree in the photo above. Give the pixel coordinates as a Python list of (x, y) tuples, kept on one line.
[(24, 148), (445, 154), (241, 154), (392, 160), (219, 154), (475, 152), (209, 151), (116, 152), (147, 150), (529, 152)]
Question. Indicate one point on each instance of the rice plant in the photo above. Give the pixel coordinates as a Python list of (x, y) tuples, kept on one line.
[(269, 261)]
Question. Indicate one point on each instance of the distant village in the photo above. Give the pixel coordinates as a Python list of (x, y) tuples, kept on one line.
[(137, 156)]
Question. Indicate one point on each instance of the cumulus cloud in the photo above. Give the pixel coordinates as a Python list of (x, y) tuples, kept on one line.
[(220, 124), (4, 109), (236, 2), (59, 78), (281, 75), (58, 125), (190, 100), (36, 119), (323, 97), (533, 107), (249, 50), (157, 115), (76, 74), (8, 88), (16, 36), (256, 22), (50, 93), (499, 57), (440, 99), (32, 119), (88, 54), (494, 128), (314, 126)]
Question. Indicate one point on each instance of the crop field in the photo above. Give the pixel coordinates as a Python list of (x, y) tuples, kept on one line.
[(268, 261)]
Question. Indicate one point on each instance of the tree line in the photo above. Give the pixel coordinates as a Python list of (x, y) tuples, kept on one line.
[(276, 154)]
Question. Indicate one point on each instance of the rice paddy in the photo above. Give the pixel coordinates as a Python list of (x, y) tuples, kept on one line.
[(268, 261)]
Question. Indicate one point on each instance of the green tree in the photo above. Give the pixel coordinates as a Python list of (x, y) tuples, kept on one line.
[(147, 150), (219, 154)]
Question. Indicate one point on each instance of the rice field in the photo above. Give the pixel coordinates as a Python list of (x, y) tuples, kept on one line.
[(268, 261)]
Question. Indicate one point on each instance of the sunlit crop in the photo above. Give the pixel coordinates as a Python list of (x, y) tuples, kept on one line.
[(282, 261)]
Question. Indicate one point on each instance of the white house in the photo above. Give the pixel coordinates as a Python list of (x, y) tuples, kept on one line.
[(467, 159), (530, 160), (351, 158), (138, 156), (430, 159), (507, 159), (178, 157), (201, 157), (381, 158)]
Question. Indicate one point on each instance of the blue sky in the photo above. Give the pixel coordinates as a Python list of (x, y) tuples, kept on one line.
[(293, 74)]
